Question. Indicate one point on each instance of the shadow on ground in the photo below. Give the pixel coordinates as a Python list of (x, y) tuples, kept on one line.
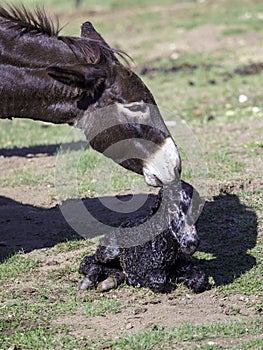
[(24, 227), (227, 228), (49, 150)]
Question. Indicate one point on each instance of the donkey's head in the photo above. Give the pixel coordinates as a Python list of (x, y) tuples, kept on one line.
[(120, 117)]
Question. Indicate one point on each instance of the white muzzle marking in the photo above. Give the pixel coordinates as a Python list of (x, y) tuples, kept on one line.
[(164, 165)]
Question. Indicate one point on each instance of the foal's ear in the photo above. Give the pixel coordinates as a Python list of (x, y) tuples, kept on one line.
[(84, 76)]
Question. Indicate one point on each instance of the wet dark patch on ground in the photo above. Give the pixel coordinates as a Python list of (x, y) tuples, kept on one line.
[(186, 67), (250, 69)]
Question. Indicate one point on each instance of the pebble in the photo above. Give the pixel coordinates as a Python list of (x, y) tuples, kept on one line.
[(230, 113), (211, 343), (242, 98), (155, 301), (139, 310), (128, 326), (255, 109)]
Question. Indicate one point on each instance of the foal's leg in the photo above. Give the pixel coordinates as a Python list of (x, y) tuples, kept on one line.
[(156, 280), (114, 279), (92, 271), (192, 276), (103, 269)]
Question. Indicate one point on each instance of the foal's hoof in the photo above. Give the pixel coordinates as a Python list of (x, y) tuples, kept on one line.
[(85, 284), (108, 284)]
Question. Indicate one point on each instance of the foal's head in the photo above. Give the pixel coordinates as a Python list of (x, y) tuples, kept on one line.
[(183, 206)]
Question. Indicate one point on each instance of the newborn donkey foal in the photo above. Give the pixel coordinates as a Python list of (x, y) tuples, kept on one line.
[(151, 252)]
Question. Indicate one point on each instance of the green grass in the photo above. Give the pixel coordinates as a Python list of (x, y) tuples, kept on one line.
[(101, 307), (72, 245), (24, 133), (197, 110), (252, 344), (233, 31), (16, 265), (42, 338), (27, 177), (188, 332), (28, 313), (89, 172)]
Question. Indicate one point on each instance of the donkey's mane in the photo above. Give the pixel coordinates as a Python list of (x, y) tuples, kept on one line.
[(25, 21), (37, 22)]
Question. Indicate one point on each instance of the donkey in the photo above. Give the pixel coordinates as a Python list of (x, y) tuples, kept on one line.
[(80, 81)]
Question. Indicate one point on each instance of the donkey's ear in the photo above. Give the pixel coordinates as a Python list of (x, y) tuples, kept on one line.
[(88, 31), (84, 76)]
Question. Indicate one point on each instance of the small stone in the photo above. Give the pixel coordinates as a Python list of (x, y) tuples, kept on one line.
[(242, 98), (255, 109), (155, 301), (139, 310), (197, 113), (210, 117), (230, 113), (128, 326), (14, 347), (212, 81), (175, 55)]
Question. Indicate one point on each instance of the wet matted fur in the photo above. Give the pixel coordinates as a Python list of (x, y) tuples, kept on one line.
[(158, 263)]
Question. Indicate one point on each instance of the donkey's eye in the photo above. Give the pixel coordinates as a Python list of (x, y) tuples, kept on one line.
[(136, 108)]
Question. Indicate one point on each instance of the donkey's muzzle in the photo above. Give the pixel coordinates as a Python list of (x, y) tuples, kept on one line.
[(164, 165)]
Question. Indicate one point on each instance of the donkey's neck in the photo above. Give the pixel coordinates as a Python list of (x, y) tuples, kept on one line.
[(30, 93)]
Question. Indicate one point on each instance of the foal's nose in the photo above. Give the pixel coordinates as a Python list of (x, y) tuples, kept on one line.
[(189, 244)]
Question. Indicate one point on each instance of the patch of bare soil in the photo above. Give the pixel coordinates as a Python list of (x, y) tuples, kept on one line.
[(102, 12), (238, 141), (209, 38), (142, 311)]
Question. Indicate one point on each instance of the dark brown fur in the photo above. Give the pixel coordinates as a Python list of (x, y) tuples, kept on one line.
[(63, 79)]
